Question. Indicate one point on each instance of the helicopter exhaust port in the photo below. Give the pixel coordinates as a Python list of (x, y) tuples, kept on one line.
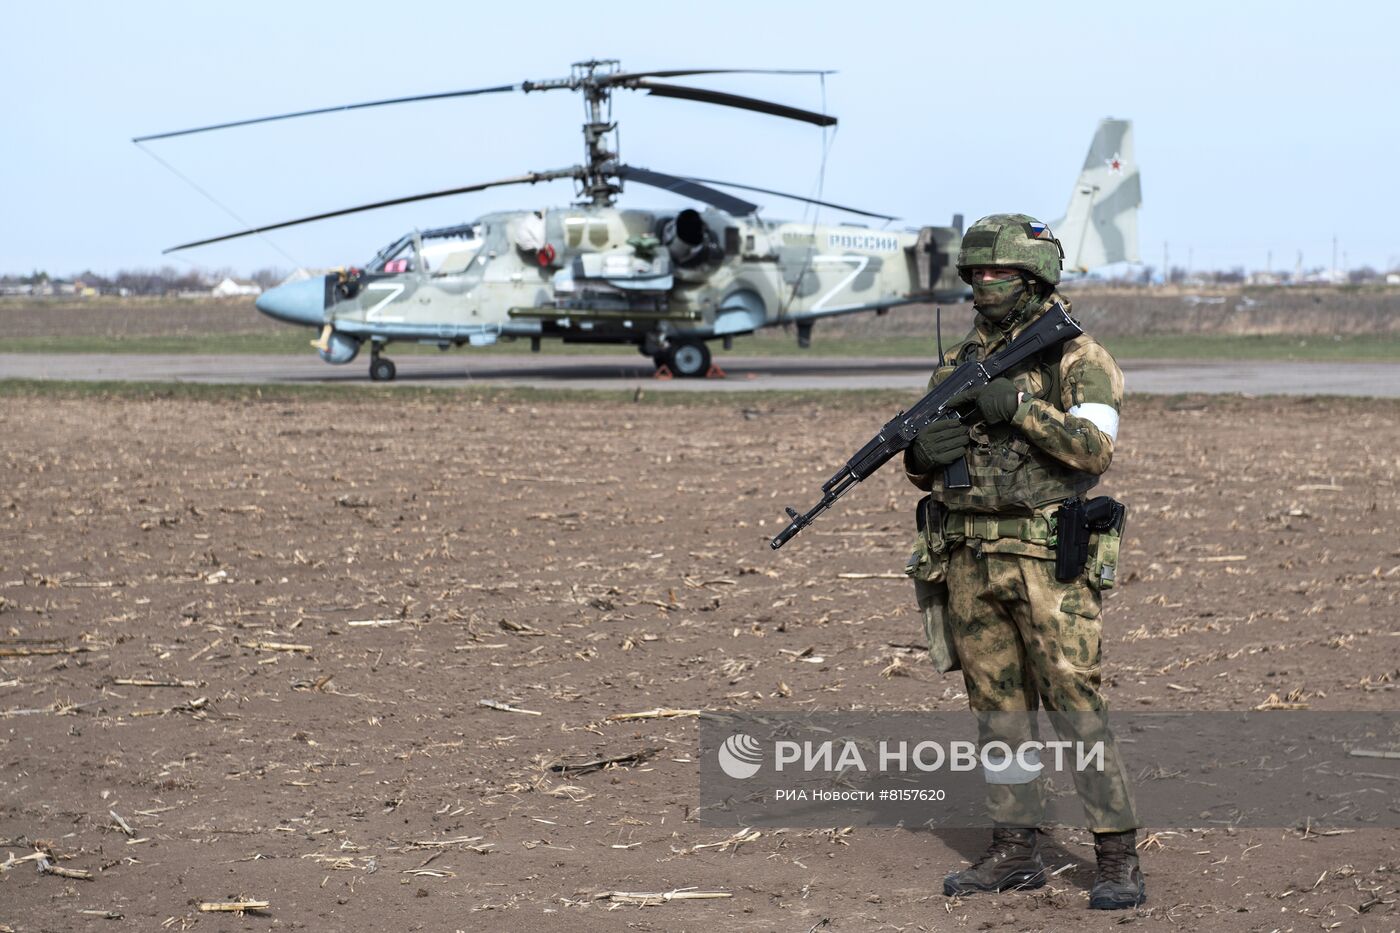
[(687, 239)]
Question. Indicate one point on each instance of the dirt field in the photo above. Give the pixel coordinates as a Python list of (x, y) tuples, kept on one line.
[(258, 635)]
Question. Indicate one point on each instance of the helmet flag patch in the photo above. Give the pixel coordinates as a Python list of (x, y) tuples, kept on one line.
[(1039, 231)]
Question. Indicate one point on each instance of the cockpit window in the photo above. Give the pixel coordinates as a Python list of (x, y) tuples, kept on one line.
[(396, 257), (451, 251), (400, 260), (444, 251)]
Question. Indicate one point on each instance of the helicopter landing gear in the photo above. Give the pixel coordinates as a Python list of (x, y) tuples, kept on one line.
[(381, 368), (690, 358)]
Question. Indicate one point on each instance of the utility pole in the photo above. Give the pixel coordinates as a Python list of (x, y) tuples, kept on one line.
[(1334, 259), (1166, 269)]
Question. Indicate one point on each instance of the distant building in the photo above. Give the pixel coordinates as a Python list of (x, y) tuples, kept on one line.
[(1330, 277), (233, 288), (1392, 278)]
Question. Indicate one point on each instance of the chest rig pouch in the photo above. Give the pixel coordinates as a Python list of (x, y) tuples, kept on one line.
[(928, 568), (929, 561), (1008, 473)]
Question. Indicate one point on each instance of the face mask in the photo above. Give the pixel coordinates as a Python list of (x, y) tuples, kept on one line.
[(995, 300)]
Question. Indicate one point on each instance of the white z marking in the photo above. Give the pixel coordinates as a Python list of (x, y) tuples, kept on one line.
[(860, 263), (394, 289)]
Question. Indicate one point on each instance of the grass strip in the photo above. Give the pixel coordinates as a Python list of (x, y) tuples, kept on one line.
[(1278, 347)]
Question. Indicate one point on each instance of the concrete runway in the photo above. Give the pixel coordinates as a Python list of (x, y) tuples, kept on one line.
[(627, 371)]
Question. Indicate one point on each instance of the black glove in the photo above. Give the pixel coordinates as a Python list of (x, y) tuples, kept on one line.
[(937, 445), (997, 400)]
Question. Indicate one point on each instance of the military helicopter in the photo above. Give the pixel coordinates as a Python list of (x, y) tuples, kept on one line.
[(665, 281)]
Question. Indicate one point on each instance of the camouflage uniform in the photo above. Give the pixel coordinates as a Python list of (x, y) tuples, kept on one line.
[(1021, 636)]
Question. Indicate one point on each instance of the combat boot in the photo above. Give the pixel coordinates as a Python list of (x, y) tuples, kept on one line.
[(1011, 861), (1118, 884)]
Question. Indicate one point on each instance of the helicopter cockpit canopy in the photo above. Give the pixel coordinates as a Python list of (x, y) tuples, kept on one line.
[(398, 256), (443, 251)]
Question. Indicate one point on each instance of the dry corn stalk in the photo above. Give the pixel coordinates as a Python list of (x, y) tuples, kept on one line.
[(658, 713), (647, 899), (238, 906)]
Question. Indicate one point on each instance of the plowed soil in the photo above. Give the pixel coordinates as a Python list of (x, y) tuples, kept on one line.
[(245, 648)]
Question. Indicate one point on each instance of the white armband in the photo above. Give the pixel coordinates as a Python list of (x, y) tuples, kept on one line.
[(1100, 416)]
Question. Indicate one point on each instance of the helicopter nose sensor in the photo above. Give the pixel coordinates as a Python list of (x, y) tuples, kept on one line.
[(301, 302)]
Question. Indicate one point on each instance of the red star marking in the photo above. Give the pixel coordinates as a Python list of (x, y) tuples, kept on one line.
[(1115, 164)]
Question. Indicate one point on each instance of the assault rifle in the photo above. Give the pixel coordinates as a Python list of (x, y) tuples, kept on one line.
[(1052, 328)]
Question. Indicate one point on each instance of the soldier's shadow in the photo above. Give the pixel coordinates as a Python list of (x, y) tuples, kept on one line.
[(1073, 869)]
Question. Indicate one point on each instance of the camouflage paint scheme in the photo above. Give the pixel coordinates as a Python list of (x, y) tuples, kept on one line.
[(488, 287), (665, 282), (1100, 222), (1024, 638), (506, 275)]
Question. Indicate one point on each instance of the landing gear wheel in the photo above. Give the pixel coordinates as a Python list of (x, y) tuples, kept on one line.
[(382, 370), (690, 359)]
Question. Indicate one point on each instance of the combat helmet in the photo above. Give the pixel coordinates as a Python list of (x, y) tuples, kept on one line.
[(1015, 241)]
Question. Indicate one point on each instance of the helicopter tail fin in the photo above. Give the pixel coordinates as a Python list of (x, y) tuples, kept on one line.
[(1100, 224)]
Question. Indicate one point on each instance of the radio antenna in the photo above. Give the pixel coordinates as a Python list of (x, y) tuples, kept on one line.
[(938, 330)]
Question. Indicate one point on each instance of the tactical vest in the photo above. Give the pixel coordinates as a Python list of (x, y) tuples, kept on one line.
[(1010, 474)]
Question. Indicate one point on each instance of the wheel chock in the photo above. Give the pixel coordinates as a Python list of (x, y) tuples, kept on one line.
[(714, 372), (663, 372)]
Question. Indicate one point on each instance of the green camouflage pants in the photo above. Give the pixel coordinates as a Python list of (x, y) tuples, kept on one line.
[(1025, 638)]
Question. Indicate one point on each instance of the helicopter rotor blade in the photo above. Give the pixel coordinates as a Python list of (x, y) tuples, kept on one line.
[(795, 197), (685, 187), (682, 72), (613, 79), (529, 178), (307, 113), (732, 100)]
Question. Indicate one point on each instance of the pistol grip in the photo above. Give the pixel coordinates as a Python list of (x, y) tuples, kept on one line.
[(955, 475)]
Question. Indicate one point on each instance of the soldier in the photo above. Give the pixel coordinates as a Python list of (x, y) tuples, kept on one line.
[(1023, 637)]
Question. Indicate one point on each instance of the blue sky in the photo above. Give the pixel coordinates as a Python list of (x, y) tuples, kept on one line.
[(1260, 127)]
